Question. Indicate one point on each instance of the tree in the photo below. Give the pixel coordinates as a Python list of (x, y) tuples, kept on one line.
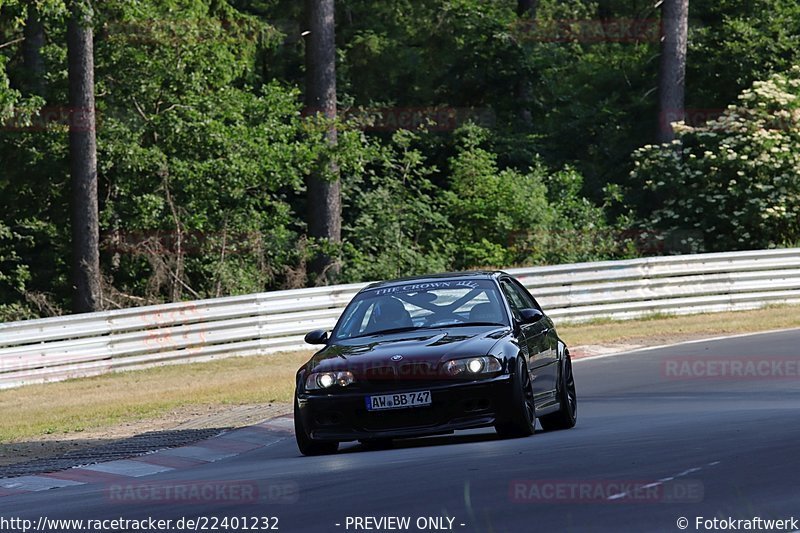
[(672, 68), (83, 159), (736, 43), (324, 204), (526, 10), (32, 51), (527, 7)]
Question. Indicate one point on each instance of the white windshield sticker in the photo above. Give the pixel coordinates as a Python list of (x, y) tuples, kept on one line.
[(418, 287)]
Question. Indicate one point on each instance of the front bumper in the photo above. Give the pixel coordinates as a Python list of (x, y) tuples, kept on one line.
[(343, 415)]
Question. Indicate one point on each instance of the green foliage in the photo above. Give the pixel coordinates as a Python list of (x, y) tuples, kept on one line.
[(400, 228), (203, 149), (580, 230), (8, 96), (487, 216), (13, 276), (507, 217), (196, 164), (491, 207), (198, 191), (737, 43), (734, 182)]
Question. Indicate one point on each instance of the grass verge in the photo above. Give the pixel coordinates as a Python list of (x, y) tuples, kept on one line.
[(71, 408), (81, 405)]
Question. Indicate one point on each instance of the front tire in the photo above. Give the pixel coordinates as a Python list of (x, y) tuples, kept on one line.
[(305, 443), (567, 414), (523, 410)]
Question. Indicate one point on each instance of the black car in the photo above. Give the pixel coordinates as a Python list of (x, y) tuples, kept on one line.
[(430, 355)]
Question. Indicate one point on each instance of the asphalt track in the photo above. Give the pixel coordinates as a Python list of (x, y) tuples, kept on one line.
[(720, 447)]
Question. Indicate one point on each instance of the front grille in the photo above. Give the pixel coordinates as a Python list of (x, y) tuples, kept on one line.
[(382, 386), (417, 371)]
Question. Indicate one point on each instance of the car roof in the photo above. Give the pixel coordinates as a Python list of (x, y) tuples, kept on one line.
[(472, 274)]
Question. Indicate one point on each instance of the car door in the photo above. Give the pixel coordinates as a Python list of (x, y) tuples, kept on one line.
[(548, 356), (534, 337)]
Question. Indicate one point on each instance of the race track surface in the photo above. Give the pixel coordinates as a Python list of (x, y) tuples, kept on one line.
[(657, 439)]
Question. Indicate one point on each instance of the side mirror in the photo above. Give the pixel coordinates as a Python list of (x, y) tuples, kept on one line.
[(318, 336), (530, 316)]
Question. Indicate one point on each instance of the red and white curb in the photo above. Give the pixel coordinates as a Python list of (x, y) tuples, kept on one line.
[(228, 444), (593, 350)]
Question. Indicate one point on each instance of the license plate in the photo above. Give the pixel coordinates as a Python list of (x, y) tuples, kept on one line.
[(401, 400)]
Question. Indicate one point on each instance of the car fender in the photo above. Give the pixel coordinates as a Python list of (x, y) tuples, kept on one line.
[(508, 351)]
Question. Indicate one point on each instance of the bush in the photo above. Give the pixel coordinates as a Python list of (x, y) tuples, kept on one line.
[(484, 216), (400, 228), (732, 183), (504, 217)]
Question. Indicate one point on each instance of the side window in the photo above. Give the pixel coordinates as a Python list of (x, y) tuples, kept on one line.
[(530, 302), (515, 300)]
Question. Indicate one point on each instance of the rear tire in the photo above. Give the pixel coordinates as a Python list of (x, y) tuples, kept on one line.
[(567, 414), (305, 443), (523, 410)]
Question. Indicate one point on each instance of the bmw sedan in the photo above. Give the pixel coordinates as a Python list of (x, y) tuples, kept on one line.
[(430, 355)]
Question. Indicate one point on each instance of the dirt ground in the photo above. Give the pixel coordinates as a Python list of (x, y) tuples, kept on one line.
[(184, 418)]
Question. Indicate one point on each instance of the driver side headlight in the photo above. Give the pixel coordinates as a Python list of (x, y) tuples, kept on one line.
[(326, 380), (472, 366)]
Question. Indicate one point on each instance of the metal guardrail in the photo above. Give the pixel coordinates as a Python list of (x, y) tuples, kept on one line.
[(59, 348)]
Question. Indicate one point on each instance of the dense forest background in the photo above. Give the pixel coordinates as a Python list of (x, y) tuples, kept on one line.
[(468, 137)]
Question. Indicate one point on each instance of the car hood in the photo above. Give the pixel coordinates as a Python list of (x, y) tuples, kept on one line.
[(424, 346)]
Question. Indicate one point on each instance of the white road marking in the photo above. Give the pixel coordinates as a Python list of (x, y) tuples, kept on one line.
[(664, 480), (198, 452), (127, 467), (37, 483)]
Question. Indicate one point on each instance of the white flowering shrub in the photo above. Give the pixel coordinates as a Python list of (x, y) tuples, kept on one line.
[(733, 182)]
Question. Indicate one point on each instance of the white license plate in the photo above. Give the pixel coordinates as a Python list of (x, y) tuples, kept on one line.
[(401, 400)]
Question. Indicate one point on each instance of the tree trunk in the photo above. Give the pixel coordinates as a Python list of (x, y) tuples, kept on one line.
[(324, 204), (672, 69), (526, 11), (527, 8), (83, 159), (32, 62)]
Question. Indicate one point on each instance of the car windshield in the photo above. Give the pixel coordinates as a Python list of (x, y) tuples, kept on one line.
[(422, 305)]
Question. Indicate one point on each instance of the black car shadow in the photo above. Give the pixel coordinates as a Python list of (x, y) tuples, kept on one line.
[(472, 436)]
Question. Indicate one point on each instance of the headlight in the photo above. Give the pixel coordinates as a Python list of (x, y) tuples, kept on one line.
[(326, 380), (472, 366)]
